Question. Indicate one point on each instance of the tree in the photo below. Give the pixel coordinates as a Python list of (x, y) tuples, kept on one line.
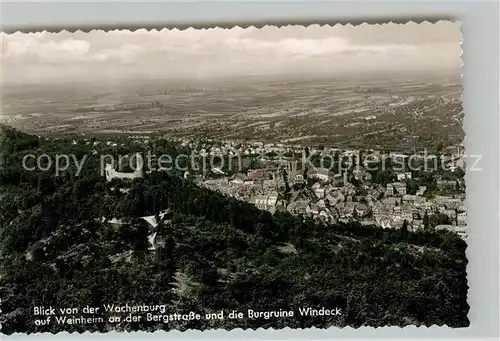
[(439, 219), (405, 226), (459, 173), (383, 177), (426, 221), (439, 146), (355, 182), (411, 186)]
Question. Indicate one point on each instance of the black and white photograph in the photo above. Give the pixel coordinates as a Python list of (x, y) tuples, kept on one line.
[(221, 178)]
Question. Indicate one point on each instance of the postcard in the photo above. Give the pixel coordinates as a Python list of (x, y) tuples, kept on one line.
[(294, 176)]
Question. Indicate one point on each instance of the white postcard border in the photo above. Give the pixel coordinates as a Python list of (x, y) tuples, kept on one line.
[(481, 125)]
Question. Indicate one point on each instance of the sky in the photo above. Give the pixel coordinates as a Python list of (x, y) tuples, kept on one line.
[(99, 56)]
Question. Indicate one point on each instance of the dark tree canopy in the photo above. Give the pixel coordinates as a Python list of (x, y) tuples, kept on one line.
[(218, 253)]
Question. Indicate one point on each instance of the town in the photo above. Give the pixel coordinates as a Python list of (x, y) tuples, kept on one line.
[(376, 188)]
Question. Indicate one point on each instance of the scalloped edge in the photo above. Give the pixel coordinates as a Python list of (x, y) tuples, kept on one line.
[(207, 26)]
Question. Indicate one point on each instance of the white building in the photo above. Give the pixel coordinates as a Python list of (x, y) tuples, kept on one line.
[(111, 174), (462, 218), (400, 188), (266, 202), (421, 190), (389, 190), (321, 174), (404, 176), (320, 193)]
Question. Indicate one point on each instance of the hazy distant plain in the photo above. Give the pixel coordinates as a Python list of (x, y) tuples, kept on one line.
[(316, 110)]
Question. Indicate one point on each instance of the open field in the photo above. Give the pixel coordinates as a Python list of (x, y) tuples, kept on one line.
[(326, 111)]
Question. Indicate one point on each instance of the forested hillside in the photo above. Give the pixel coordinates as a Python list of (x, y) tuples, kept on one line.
[(219, 253)]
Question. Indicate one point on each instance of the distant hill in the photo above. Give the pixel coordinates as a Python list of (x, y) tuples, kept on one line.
[(12, 140)]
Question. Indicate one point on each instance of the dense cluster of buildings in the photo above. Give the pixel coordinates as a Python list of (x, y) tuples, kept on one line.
[(324, 195), (280, 183), (335, 198)]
